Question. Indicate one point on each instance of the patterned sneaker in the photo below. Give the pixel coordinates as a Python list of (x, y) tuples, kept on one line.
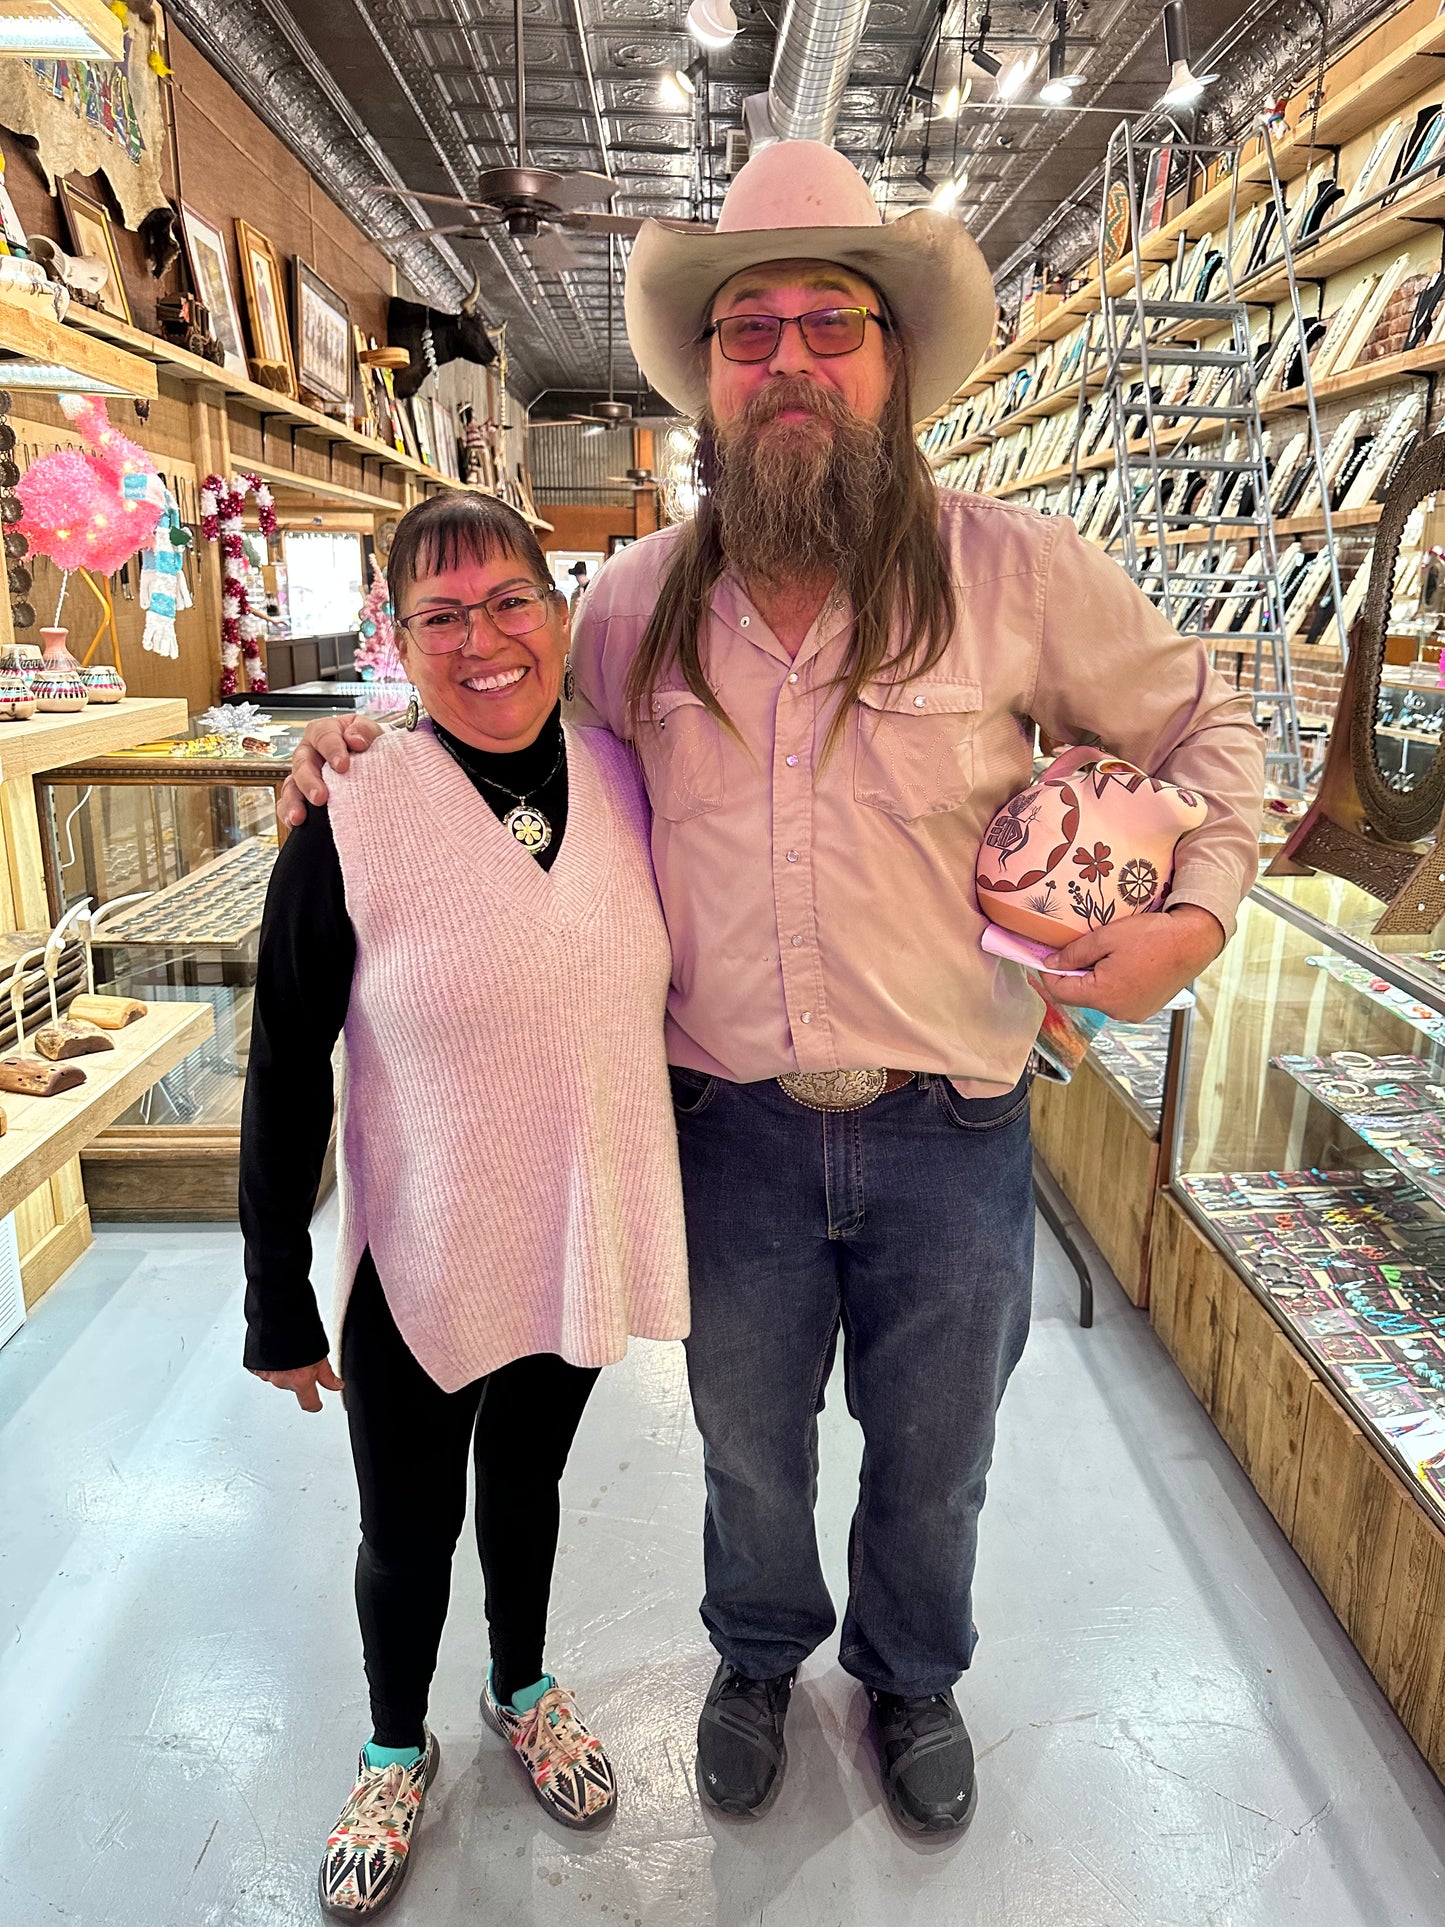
[(565, 1764), (368, 1852)]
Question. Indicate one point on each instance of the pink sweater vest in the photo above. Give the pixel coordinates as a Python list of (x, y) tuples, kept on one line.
[(507, 1141)]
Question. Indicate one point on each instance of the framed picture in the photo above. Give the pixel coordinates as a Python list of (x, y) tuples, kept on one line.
[(373, 401), (323, 335), (265, 299), (444, 440), (211, 278), (421, 421), (91, 233), (1156, 187), (406, 427)]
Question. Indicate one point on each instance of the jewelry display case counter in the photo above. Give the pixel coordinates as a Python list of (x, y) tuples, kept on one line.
[(1297, 1263), (191, 830), (1099, 1137)]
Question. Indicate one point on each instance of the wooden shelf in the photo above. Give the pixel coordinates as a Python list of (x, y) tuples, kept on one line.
[(1407, 735), (1364, 379), (1409, 70), (46, 1132), (1353, 241), (1101, 458), (50, 742), (200, 374), (32, 332)]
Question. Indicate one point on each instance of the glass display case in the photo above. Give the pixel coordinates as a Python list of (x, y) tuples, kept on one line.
[(1308, 1145), (188, 829)]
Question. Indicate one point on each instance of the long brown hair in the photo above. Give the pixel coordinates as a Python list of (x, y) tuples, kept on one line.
[(903, 600)]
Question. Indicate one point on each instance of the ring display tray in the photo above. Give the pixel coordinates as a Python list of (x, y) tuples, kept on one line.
[(219, 904)]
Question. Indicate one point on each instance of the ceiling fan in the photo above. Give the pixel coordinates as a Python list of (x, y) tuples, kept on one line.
[(637, 479), (534, 204), (610, 413)]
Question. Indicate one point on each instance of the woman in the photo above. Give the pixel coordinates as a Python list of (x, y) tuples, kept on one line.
[(477, 912)]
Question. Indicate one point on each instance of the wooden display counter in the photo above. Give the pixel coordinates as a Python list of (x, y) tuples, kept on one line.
[(44, 1134), (1103, 1151), (1374, 1551)]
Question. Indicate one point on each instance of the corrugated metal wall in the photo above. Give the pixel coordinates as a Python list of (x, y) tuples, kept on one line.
[(572, 463)]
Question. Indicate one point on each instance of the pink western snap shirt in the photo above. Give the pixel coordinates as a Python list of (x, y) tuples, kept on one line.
[(821, 909)]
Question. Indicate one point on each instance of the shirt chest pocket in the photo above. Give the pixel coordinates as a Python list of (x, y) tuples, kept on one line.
[(915, 746), (681, 750)]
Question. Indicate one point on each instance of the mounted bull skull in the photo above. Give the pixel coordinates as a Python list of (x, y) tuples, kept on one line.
[(432, 338)]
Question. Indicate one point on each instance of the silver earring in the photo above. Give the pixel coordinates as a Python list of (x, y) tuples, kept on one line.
[(413, 712), (569, 682)]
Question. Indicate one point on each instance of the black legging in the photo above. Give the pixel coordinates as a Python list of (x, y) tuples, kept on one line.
[(409, 1441)]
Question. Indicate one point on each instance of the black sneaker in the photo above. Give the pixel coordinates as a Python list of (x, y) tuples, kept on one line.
[(926, 1761), (741, 1758)]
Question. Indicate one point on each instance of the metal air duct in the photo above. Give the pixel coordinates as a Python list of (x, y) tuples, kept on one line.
[(814, 56)]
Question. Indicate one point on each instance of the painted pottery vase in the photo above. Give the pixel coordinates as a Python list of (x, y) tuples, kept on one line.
[(57, 654), (1093, 839), (17, 697), (103, 683), (58, 692)]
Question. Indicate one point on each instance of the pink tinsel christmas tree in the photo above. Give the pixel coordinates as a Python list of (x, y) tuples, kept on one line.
[(376, 653)]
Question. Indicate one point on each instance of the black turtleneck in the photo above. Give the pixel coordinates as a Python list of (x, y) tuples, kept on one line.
[(303, 986)]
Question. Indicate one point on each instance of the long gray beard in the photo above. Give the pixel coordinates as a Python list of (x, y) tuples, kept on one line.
[(796, 497)]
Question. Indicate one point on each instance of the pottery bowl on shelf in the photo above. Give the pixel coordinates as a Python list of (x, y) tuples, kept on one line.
[(58, 692), (1093, 839), (103, 683), (20, 658), (17, 697)]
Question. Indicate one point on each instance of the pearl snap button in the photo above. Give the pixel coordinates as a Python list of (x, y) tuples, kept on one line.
[(807, 1016), (793, 677), (792, 760), (797, 943), (792, 856), (918, 702)]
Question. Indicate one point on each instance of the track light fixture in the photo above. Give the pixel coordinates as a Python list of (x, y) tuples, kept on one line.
[(1059, 86), (1185, 87), (712, 24)]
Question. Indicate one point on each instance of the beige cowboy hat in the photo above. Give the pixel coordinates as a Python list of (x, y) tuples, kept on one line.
[(803, 200)]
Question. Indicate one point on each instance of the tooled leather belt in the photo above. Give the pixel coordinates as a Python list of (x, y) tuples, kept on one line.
[(841, 1090)]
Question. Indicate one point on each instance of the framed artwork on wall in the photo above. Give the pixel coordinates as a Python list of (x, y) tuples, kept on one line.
[(421, 421), (323, 336), (444, 438), (266, 301), (91, 233), (211, 278), (401, 409)]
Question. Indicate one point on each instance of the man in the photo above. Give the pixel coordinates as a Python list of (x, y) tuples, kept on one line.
[(833, 679)]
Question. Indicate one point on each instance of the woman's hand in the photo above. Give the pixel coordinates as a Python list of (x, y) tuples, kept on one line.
[(307, 1382), (1133, 966), (327, 744)]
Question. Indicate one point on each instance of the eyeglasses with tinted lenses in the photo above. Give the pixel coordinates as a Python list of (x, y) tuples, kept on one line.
[(826, 331), (515, 612)]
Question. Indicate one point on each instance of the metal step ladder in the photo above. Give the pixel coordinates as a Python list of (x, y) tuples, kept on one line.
[(1194, 525)]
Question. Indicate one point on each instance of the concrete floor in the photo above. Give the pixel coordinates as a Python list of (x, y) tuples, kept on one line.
[(1171, 1726)]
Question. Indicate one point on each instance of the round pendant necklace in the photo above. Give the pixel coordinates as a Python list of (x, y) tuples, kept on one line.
[(526, 824)]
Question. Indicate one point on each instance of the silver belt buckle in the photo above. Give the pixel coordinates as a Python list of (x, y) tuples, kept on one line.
[(834, 1090)]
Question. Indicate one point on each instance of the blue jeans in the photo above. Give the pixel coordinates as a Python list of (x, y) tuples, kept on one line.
[(909, 1226)]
